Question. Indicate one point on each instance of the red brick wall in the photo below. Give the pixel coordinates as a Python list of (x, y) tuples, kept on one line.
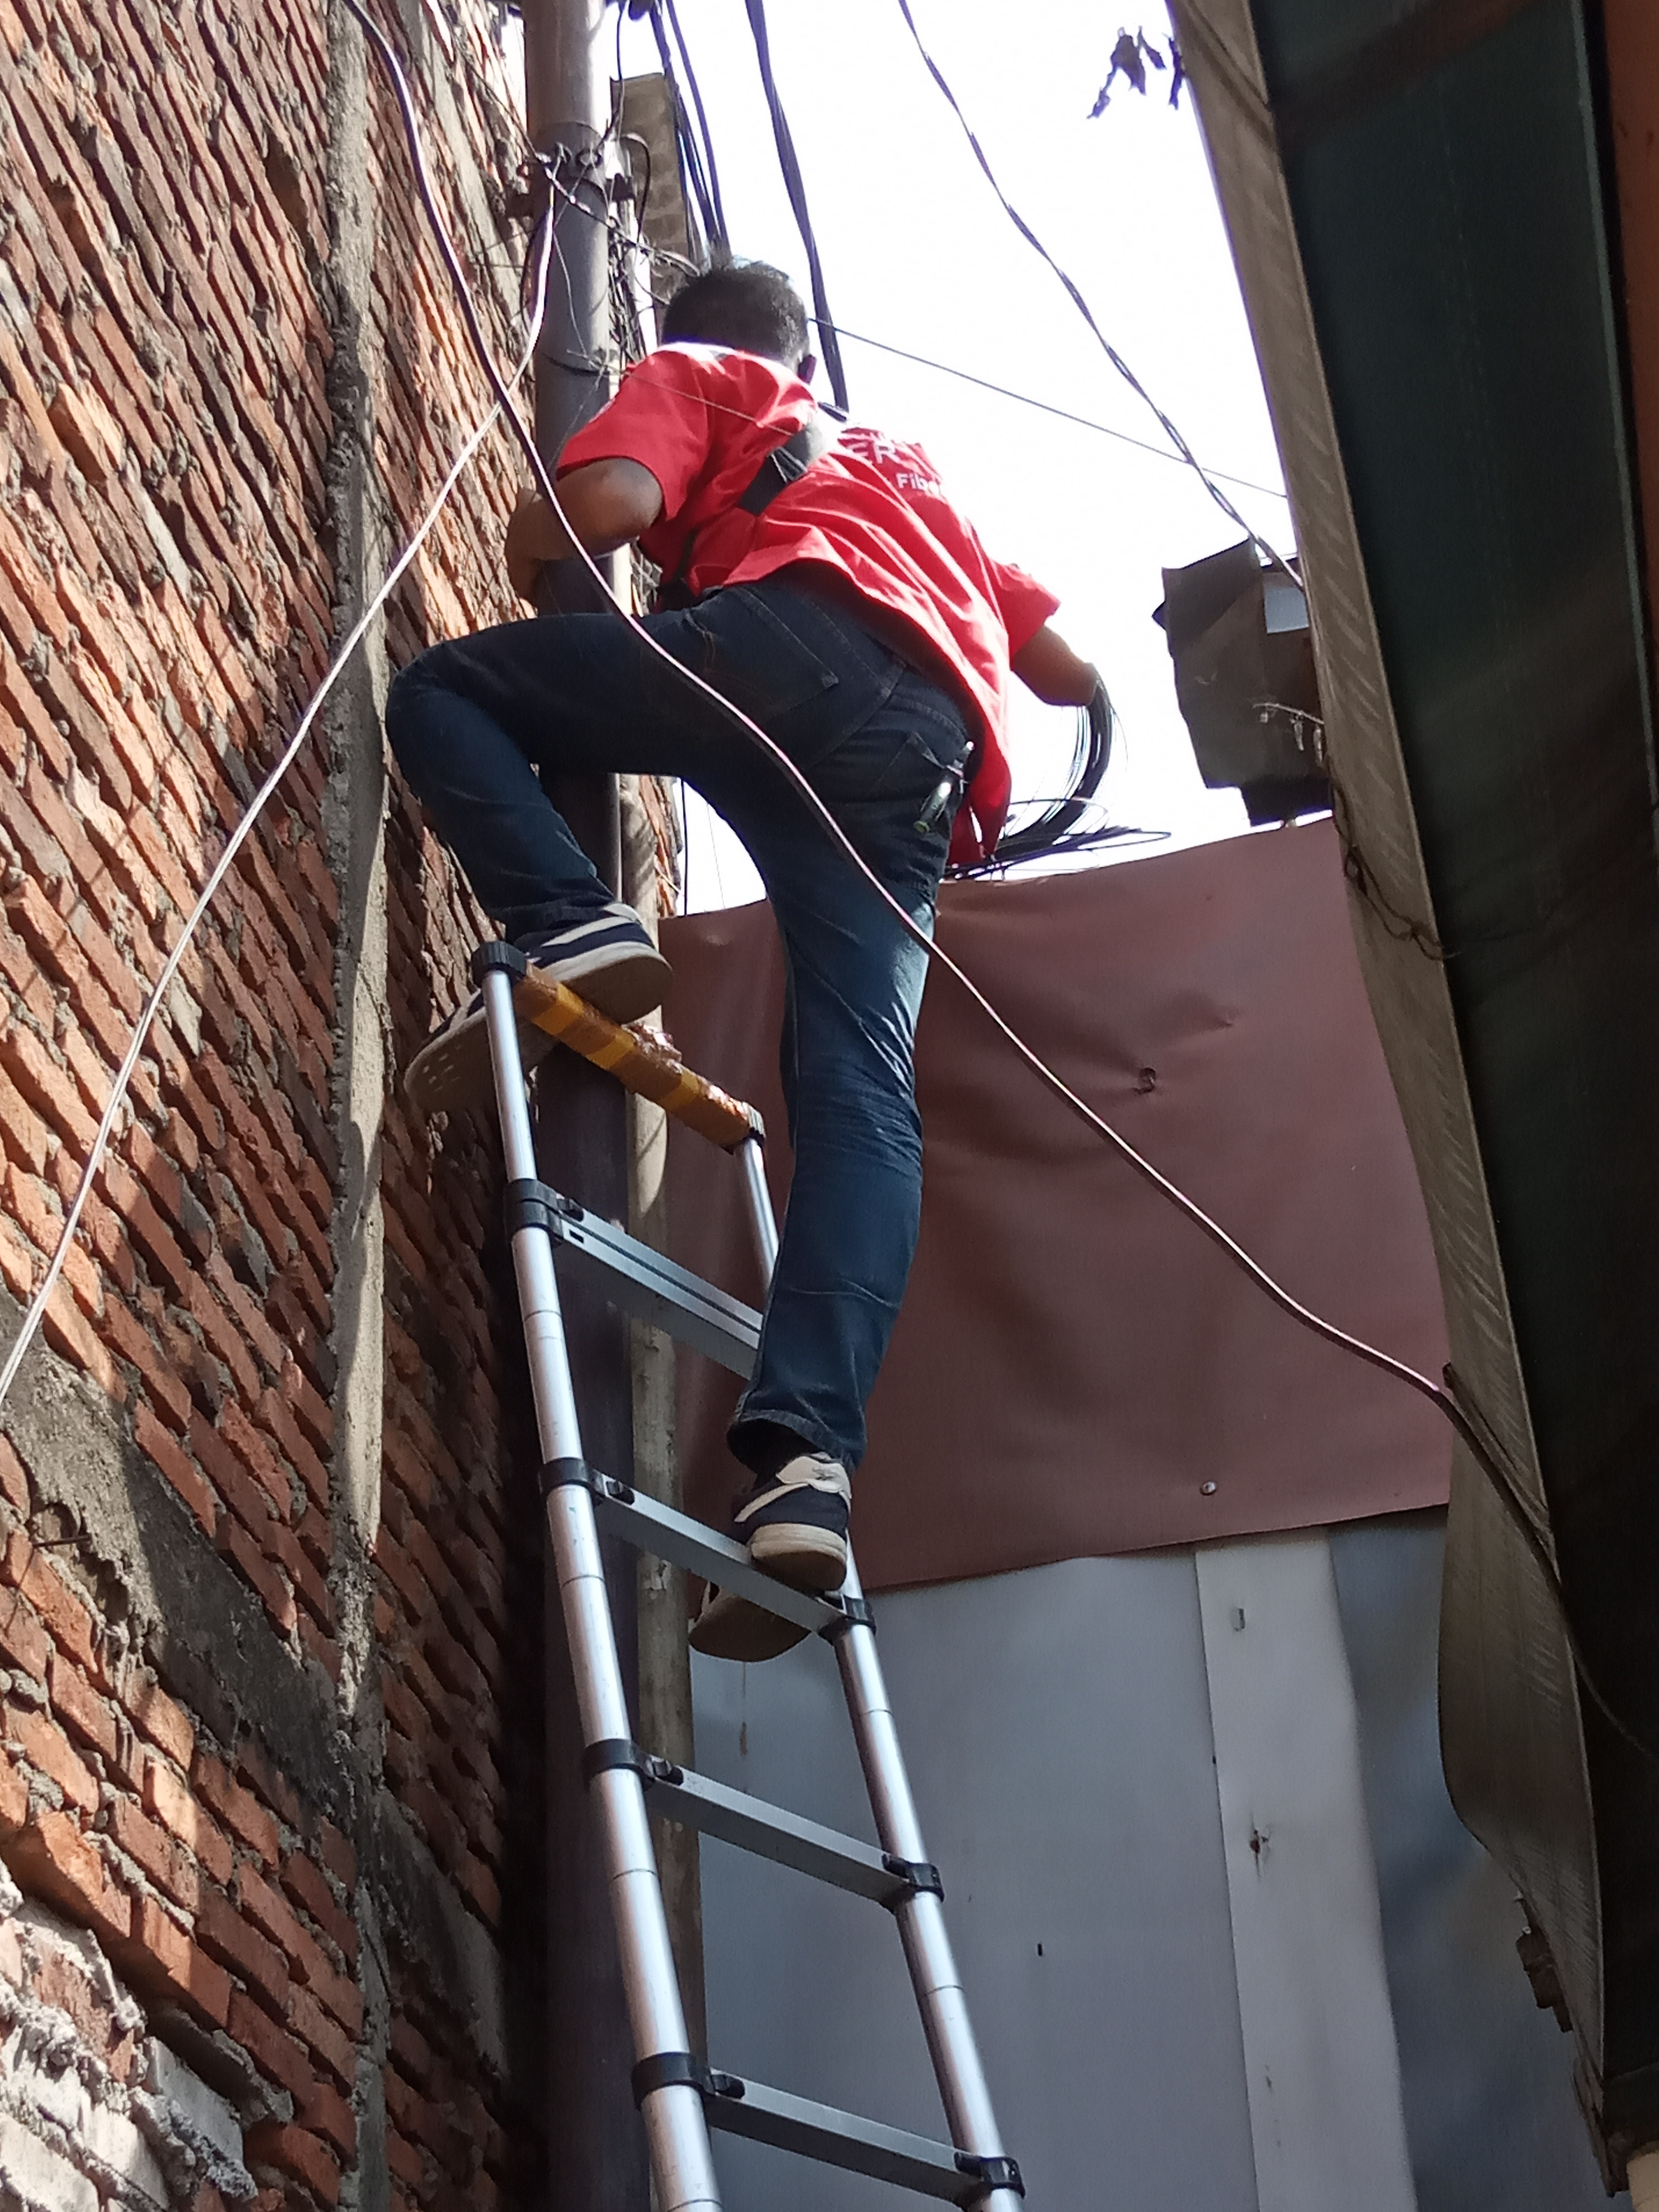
[(179, 370)]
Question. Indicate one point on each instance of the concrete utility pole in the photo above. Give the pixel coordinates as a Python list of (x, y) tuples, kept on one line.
[(596, 2147)]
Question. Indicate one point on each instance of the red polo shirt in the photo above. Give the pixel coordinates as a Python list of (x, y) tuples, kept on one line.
[(702, 419)]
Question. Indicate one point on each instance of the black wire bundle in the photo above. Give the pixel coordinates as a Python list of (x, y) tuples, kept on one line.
[(696, 146), (1053, 834), (794, 186)]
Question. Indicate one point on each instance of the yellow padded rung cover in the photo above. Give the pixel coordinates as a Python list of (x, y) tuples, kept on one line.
[(641, 1060)]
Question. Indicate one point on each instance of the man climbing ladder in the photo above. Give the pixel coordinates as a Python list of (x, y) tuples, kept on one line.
[(826, 585)]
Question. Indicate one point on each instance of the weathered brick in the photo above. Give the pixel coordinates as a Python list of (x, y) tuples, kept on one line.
[(276, 1415), (156, 1715), (13, 1798), (168, 1800), (306, 1884), (79, 1707), (272, 1589), (153, 1441), (308, 2021), (13, 1479), (167, 1264), (256, 1455), (274, 1917), (47, 1749), (68, 1332), (251, 1505), (165, 602), (272, 2050), (405, 2161), (23, 1639), (294, 2151), (53, 1860), (221, 1929), (162, 1959), (481, 1886), (270, 1785), (241, 1813), (325, 2111), (24, 1133), (155, 1852), (27, 1570)]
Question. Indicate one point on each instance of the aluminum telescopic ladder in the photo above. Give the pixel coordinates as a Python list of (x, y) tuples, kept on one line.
[(680, 2097)]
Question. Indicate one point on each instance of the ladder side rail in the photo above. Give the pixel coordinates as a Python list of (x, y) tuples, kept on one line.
[(940, 1995), (681, 2159), (751, 1158)]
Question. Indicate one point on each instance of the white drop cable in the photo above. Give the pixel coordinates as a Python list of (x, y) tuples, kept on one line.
[(239, 837)]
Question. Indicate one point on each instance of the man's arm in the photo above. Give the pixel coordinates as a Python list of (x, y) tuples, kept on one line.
[(608, 504), (1045, 664)]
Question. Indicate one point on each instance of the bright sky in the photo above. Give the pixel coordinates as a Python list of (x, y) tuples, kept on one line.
[(916, 251)]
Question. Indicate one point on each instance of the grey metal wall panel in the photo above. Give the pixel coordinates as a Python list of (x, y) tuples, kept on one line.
[(1058, 1725), (1486, 2076), (1321, 2067)]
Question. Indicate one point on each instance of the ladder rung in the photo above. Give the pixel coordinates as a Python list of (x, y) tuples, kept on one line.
[(640, 1281), (842, 2139), (771, 1832), (640, 1060), (667, 1533)]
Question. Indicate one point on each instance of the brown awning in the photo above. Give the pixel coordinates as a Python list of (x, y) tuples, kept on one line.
[(1074, 1363)]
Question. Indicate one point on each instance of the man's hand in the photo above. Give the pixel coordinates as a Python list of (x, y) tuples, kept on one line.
[(1045, 664), (533, 538), (608, 504)]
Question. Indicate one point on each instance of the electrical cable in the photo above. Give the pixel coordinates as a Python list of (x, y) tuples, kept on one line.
[(1486, 1454), (720, 238), (794, 186), (1083, 308), (1048, 836), (1046, 407), (502, 390), (691, 163)]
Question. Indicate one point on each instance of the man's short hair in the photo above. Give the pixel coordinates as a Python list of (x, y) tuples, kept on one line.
[(745, 304)]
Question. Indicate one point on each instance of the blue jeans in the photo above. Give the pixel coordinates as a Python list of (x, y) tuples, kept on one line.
[(885, 749)]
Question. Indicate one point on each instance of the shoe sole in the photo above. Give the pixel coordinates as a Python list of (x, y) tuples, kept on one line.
[(624, 986), (797, 1553), (453, 1072), (731, 1628)]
